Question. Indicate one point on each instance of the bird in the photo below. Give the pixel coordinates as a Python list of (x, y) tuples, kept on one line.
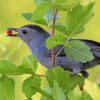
[(35, 37)]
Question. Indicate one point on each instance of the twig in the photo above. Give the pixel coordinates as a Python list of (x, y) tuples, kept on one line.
[(30, 74), (59, 51), (53, 32), (40, 75)]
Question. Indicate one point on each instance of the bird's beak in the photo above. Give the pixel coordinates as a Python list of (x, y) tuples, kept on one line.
[(13, 29)]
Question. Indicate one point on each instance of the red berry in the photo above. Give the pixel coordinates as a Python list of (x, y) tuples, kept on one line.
[(9, 32)]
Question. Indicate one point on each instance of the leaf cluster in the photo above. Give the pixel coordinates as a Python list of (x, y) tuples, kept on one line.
[(60, 84), (77, 14)]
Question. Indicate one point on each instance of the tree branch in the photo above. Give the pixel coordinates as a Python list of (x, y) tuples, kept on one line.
[(53, 32)]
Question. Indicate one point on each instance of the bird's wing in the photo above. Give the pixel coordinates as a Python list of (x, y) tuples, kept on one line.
[(94, 47)]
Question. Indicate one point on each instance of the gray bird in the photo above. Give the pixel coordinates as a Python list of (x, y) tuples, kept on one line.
[(35, 37)]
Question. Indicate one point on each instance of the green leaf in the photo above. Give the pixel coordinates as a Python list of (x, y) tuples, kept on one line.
[(46, 93), (66, 81), (6, 67), (46, 17), (49, 14), (86, 96), (61, 27), (57, 92), (30, 84), (79, 51), (66, 4), (7, 88), (42, 21), (43, 97), (29, 64), (76, 94), (40, 11), (76, 80), (27, 16), (78, 17), (57, 39)]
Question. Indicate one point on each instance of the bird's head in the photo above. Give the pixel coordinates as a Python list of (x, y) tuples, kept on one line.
[(29, 32)]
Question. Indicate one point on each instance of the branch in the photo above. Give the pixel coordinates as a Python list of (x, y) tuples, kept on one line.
[(53, 32)]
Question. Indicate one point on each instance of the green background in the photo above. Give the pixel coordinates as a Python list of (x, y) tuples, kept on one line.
[(15, 49)]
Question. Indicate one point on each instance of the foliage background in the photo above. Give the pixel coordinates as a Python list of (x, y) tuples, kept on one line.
[(15, 49)]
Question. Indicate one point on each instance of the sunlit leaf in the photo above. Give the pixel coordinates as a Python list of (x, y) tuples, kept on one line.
[(7, 88), (66, 4), (57, 92), (76, 94), (49, 14), (59, 75), (28, 63), (40, 11), (28, 66), (86, 96), (42, 21), (28, 17), (92, 89), (46, 95), (78, 17), (6, 67), (30, 84)]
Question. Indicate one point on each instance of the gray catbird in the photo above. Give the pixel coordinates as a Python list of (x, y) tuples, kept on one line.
[(35, 37)]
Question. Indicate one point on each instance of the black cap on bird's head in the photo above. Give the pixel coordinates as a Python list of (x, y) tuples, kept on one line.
[(36, 27)]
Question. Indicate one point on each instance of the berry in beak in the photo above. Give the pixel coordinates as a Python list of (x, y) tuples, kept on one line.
[(10, 33)]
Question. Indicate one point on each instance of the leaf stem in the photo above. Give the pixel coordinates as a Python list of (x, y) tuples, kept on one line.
[(30, 74), (59, 51), (53, 32), (40, 75)]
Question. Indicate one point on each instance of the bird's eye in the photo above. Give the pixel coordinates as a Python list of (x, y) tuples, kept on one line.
[(24, 31)]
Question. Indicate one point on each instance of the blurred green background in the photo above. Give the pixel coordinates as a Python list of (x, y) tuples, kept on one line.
[(15, 49)]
